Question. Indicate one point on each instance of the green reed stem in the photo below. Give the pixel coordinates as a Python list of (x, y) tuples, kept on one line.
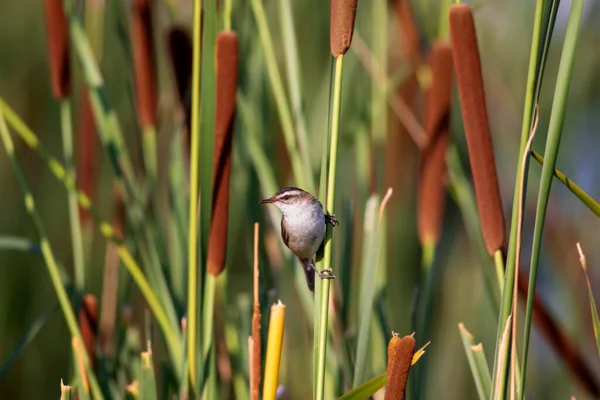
[(105, 228), (192, 314), (559, 106), (573, 187), (325, 284), (47, 253), (301, 169), (76, 237), (532, 75)]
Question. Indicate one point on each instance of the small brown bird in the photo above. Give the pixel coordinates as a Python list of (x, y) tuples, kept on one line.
[(302, 227)]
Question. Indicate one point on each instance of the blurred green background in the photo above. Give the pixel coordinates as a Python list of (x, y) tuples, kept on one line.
[(504, 34)]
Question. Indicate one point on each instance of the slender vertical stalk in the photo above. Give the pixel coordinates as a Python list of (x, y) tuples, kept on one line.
[(192, 314), (274, 346), (559, 106), (76, 237), (47, 253), (526, 125), (325, 284)]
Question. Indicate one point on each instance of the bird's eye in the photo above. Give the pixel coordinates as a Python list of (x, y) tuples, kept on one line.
[(286, 197)]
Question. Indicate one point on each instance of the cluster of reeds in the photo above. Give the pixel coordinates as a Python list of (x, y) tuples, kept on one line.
[(174, 317)]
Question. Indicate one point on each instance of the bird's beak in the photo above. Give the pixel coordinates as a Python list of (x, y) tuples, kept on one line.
[(266, 201)]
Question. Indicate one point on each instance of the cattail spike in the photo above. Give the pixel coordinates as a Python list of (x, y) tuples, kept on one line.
[(341, 29), (88, 324), (143, 60), (479, 142), (58, 48), (227, 71), (432, 194), (87, 147), (400, 355)]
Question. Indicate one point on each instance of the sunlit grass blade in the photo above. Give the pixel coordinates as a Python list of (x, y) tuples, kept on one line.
[(57, 169), (563, 82), (46, 249), (366, 389), (31, 333), (503, 349), (371, 253), (147, 379), (65, 391), (572, 186), (193, 265), (83, 387), (302, 174), (593, 309), (477, 363)]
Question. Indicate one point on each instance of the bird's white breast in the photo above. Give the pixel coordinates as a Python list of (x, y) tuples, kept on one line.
[(306, 228)]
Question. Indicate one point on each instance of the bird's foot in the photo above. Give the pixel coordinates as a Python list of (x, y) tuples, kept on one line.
[(330, 219), (326, 274)]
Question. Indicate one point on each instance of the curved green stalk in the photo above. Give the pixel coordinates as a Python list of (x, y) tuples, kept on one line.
[(47, 254), (57, 169), (301, 169), (532, 79), (563, 83), (76, 237), (325, 284), (573, 187), (192, 313)]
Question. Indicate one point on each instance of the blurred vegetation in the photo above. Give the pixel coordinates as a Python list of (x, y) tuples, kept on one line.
[(374, 153)]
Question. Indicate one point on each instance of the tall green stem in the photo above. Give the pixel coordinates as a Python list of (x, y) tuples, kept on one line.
[(507, 292), (76, 237), (47, 254), (559, 105), (192, 314), (325, 284)]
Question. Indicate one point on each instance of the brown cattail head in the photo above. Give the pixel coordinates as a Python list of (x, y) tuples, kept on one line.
[(432, 194), (400, 354), (180, 49), (87, 148), (58, 48), (341, 28), (479, 142), (143, 60), (119, 212), (227, 71), (409, 32), (88, 324)]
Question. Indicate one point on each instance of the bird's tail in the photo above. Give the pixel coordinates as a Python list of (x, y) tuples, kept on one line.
[(309, 270)]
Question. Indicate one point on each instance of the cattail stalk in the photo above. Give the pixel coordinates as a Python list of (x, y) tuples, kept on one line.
[(58, 48), (254, 343), (88, 324), (145, 81), (143, 63), (180, 50), (432, 193), (400, 356), (87, 154), (110, 278), (343, 14), (472, 97), (274, 345), (227, 71), (60, 76)]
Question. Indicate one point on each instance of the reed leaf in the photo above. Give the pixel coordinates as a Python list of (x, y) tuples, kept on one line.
[(563, 82), (477, 363)]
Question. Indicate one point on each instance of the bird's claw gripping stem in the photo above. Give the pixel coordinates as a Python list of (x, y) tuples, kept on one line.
[(330, 219), (326, 274)]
